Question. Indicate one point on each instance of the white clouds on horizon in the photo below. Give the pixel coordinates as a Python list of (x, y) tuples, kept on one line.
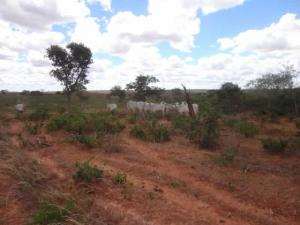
[(134, 38)]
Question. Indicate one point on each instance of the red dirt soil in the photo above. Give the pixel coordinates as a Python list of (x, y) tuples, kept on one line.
[(169, 183)]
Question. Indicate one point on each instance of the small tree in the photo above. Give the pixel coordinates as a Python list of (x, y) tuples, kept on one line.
[(229, 97), (119, 92), (142, 89), (278, 86), (70, 66)]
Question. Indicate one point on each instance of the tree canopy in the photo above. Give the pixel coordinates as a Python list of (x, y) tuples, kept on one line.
[(71, 66), (275, 81), (142, 89)]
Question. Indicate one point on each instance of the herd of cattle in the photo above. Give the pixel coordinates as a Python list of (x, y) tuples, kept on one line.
[(163, 107)]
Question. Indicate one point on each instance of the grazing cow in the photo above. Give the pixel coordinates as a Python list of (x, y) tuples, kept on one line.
[(163, 107), (19, 108), (112, 106)]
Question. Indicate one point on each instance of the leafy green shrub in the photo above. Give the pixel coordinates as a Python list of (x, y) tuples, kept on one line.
[(105, 123), (57, 122), (209, 133), (40, 113), (73, 122), (248, 129), (51, 214), (182, 123), (138, 131), (120, 178), (158, 133), (86, 172), (151, 131), (87, 140), (274, 146), (190, 127), (245, 128), (133, 118), (227, 157)]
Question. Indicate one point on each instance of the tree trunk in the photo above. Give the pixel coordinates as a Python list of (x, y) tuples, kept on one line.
[(189, 102)]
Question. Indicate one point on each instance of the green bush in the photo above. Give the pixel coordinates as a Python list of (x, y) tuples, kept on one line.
[(120, 178), (227, 157), (138, 131), (188, 126), (72, 122), (87, 140), (245, 128), (209, 133), (158, 133), (86, 172), (133, 118), (40, 113), (248, 129), (105, 123), (51, 214), (57, 122), (151, 131), (273, 145)]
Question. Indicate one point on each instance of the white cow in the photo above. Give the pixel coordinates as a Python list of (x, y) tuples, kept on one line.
[(112, 106), (160, 107), (19, 108)]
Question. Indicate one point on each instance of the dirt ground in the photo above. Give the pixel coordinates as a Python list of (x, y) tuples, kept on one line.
[(168, 183)]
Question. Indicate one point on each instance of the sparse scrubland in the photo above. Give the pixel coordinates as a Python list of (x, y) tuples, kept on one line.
[(67, 159)]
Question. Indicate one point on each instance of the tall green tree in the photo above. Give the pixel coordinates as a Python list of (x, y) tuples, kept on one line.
[(71, 66), (142, 89)]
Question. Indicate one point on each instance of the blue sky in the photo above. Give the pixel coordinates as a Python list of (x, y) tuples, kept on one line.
[(195, 42)]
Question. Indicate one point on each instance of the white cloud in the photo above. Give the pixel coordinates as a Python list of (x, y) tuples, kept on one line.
[(42, 14), (281, 36), (173, 21)]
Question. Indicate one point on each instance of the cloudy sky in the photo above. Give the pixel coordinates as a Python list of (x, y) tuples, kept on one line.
[(199, 43)]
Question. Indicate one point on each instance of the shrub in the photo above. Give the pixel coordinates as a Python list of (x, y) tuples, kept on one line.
[(86, 172), (243, 127), (151, 131), (120, 178), (75, 122), (40, 113), (227, 157), (274, 146), (57, 122), (209, 133), (248, 129), (87, 140), (158, 133), (133, 118), (189, 126), (51, 214), (105, 123), (138, 132)]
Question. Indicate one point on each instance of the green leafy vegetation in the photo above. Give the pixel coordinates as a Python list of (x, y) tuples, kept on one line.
[(87, 172), (274, 145), (209, 133), (227, 157), (151, 131), (120, 178), (49, 213), (245, 128)]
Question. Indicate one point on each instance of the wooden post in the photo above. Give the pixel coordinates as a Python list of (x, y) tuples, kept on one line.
[(189, 102)]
